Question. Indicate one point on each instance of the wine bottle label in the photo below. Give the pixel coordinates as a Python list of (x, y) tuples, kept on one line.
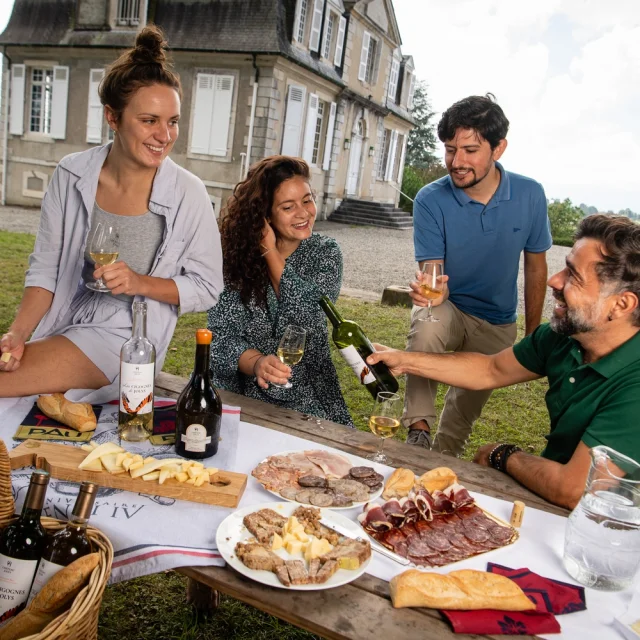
[(15, 579), (359, 366), (46, 570), (136, 388), (195, 438)]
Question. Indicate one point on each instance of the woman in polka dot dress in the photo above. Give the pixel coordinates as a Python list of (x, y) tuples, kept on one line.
[(276, 270)]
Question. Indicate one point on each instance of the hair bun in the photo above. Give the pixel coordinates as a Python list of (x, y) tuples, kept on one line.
[(150, 46)]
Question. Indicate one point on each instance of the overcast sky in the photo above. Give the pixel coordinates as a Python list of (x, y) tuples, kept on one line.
[(566, 72)]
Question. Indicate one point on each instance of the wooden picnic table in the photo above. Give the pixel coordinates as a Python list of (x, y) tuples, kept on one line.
[(362, 609)]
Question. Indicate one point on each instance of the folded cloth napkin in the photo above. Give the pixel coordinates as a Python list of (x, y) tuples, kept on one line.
[(551, 598)]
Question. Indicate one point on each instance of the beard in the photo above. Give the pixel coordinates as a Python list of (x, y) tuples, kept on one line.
[(461, 183), (575, 320)]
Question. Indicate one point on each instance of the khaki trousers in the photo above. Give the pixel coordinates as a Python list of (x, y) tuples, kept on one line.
[(456, 331)]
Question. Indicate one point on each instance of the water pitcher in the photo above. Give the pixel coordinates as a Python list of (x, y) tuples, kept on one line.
[(602, 540)]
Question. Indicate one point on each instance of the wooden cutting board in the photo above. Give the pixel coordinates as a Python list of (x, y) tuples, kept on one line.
[(61, 461)]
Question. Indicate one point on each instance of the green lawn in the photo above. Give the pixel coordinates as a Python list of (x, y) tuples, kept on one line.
[(515, 414)]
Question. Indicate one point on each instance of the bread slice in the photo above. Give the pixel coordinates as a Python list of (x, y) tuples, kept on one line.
[(256, 556), (326, 571), (465, 589), (359, 550)]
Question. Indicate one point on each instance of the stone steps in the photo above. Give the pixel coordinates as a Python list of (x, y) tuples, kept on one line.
[(375, 214)]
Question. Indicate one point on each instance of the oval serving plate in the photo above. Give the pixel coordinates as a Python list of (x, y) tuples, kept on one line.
[(355, 463), (231, 531)]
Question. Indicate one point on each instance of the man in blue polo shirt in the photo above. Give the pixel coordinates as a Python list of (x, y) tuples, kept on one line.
[(476, 221)]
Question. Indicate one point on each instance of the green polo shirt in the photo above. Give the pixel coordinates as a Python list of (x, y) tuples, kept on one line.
[(598, 403)]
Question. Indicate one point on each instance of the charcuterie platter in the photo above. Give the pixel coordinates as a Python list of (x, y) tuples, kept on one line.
[(320, 478), (433, 528)]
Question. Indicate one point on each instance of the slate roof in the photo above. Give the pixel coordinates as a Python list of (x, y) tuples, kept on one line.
[(230, 26)]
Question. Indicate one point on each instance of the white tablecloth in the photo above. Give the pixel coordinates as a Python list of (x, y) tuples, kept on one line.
[(151, 534)]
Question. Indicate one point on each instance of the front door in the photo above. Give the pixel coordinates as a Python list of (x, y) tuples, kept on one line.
[(353, 170)]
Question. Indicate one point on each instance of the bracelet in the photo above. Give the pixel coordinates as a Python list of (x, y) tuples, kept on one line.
[(500, 454), (492, 454), (262, 255), (255, 364)]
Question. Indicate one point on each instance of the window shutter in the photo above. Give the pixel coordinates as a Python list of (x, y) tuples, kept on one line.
[(392, 155), (16, 126), (337, 60), (59, 96), (328, 143), (393, 79), (94, 110), (202, 113), (402, 155), (412, 86), (310, 128), (316, 25), (364, 55), (296, 21), (221, 115), (293, 121)]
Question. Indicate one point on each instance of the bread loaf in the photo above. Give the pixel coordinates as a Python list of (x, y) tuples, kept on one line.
[(53, 599), (438, 479), (465, 589), (77, 415), (399, 484)]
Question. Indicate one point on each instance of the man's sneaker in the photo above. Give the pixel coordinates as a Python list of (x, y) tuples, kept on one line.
[(419, 437)]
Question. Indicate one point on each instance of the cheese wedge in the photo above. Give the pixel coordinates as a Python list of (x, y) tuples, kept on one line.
[(110, 463), (127, 462), (197, 465), (121, 457), (190, 481), (294, 547), (86, 447), (212, 470), (193, 472), (136, 472), (201, 479), (165, 474), (277, 542), (94, 465), (98, 452), (154, 475), (134, 466), (182, 477)]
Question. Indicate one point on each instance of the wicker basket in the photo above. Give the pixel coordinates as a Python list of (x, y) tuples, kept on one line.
[(80, 622)]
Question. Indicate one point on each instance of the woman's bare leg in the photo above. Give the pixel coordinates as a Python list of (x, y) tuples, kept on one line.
[(51, 365)]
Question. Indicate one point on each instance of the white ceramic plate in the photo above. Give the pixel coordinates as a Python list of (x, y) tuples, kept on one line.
[(354, 463), (231, 531)]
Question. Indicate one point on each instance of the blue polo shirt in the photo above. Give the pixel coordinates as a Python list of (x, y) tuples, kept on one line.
[(481, 244)]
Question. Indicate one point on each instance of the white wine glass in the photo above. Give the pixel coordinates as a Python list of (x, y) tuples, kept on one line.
[(385, 421), (431, 286), (104, 250), (291, 349)]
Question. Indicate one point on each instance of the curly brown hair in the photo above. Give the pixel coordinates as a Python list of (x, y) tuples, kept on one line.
[(143, 65), (245, 270)]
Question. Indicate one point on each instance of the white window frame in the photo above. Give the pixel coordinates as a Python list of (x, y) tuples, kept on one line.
[(329, 29), (412, 88), (127, 13), (216, 74), (95, 110), (394, 75), (328, 141), (44, 120), (384, 154), (317, 136), (300, 22), (369, 55)]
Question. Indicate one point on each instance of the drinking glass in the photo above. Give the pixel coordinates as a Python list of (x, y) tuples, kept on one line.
[(103, 250), (385, 421), (431, 286), (291, 349)]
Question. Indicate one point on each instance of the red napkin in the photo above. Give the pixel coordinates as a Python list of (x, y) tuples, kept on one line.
[(550, 597)]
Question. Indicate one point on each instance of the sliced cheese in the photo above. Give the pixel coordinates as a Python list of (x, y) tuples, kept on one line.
[(142, 470), (182, 477), (154, 475), (110, 463), (301, 535), (94, 465), (212, 470), (351, 564), (127, 462), (201, 479), (294, 547), (149, 459), (165, 473), (190, 481), (193, 472), (121, 457), (98, 452), (135, 466), (198, 465), (86, 447), (288, 537)]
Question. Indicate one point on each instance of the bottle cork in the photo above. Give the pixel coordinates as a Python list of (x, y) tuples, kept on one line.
[(517, 514)]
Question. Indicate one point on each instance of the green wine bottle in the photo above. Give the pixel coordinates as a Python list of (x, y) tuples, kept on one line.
[(355, 348)]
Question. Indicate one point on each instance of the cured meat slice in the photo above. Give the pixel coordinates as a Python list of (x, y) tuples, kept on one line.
[(312, 481), (409, 530), (422, 527), (471, 510), (461, 542), (374, 518), (395, 540), (362, 472), (436, 540), (500, 534), (438, 523), (425, 504), (458, 495), (410, 509), (418, 547), (333, 465), (476, 535), (441, 503), (422, 561)]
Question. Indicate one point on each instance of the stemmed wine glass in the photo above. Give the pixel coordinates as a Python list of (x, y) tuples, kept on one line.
[(385, 421), (291, 349), (431, 286), (104, 249)]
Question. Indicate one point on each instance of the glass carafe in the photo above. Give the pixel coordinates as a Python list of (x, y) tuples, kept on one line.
[(602, 540)]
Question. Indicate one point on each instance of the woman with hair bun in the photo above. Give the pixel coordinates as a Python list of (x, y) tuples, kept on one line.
[(276, 270), (169, 244)]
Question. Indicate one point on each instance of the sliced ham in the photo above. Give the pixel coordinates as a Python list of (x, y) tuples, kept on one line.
[(459, 496), (333, 465)]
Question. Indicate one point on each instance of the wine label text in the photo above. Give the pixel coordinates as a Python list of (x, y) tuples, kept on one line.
[(360, 368)]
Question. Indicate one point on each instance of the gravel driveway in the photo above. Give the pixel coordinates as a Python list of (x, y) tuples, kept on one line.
[(376, 258), (373, 258)]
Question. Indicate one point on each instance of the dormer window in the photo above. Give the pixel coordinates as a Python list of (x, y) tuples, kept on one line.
[(302, 10), (128, 13)]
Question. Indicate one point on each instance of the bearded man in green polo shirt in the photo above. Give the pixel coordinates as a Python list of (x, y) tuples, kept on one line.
[(589, 351)]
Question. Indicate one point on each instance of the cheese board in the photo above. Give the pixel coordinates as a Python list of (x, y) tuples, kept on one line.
[(62, 461)]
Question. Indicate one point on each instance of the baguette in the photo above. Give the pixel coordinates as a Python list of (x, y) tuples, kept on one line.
[(465, 589), (52, 600), (438, 479), (77, 415)]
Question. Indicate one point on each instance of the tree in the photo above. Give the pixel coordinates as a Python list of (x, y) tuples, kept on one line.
[(421, 144), (564, 218)]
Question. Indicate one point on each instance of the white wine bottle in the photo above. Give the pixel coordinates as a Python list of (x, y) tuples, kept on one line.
[(137, 373), (199, 408), (68, 544), (21, 546), (355, 348)]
